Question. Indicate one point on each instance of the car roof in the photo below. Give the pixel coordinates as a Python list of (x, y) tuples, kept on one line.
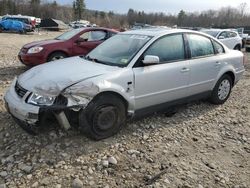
[(158, 31), (96, 28), (218, 30)]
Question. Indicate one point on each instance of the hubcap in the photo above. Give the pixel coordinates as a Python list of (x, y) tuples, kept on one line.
[(105, 118), (224, 89)]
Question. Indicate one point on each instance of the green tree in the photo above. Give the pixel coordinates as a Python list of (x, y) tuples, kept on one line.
[(181, 18), (78, 8)]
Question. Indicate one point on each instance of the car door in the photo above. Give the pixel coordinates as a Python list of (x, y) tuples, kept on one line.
[(234, 39), (204, 64), (88, 41), (224, 38), (166, 81)]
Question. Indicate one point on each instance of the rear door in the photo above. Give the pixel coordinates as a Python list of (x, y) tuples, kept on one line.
[(225, 40), (166, 81), (204, 63), (88, 41)]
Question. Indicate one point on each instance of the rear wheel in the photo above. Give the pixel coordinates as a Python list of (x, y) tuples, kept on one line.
[(237, 47), (57, 55), (103, 117), (247, 49), (222, 90)]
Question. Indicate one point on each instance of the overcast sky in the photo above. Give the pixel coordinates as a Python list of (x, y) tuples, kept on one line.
[(167, 6)]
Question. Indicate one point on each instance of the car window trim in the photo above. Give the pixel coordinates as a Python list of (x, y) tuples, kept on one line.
[(215, 51), (199, 57)]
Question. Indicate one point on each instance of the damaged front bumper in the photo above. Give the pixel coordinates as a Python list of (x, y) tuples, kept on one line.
[(29, 116)]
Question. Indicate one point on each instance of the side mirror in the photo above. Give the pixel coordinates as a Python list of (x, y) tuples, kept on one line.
[(80, 40), (221, 37), (151, 59)]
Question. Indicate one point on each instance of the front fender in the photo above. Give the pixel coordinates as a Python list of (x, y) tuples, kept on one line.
[(127, 93)]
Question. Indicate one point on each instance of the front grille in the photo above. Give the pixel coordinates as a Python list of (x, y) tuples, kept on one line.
[(20, 90)]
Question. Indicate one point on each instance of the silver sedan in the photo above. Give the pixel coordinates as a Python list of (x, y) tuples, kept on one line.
[(133, 73)]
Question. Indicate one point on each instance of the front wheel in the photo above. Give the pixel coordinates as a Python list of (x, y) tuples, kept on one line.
[(222, 90), (103, 117), (56, 56)]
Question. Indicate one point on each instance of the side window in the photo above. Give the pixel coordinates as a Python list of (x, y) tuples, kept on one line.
[(94, 35), (218, 48), (232, 34), (97, 35), (199, 45), (169, 48), (85, 36), (223, 34)]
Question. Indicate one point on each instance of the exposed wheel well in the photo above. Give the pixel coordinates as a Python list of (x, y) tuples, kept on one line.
[(114, 94), (232, 76), (237, 46), (57, 51)]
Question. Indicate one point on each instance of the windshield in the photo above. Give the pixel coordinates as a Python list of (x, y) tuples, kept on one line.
[(118, 50), (211, 32), (68, 35)]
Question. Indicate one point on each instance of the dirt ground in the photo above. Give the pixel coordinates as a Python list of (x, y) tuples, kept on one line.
[(200, 146)]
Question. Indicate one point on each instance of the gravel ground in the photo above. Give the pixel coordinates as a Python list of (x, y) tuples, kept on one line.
[(200, 146)]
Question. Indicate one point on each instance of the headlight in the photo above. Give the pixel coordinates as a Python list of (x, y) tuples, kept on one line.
[(35, 49), (41, 100)]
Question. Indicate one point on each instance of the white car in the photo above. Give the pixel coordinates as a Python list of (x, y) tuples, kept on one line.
[(228, 37)]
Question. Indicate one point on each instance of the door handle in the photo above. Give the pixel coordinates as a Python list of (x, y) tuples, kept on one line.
[(185, 69)]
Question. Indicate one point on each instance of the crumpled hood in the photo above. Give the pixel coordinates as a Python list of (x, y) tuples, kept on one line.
[(51, 78), (42, 43)]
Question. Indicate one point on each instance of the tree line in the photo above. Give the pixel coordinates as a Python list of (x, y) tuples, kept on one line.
[(224, 17)]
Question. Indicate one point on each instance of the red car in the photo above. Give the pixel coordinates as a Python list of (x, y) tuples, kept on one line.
[(72, 43)]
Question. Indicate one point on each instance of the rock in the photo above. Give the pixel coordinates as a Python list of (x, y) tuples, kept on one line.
[(2, 186), (90, 171), (200, 186), (29, 176), (26, 168), (166, 181), (35, 185), (105, 163), (45, 181), (112, 160), (58, 185), (3, 174), (77, 183), (91, 183), (132, 151)]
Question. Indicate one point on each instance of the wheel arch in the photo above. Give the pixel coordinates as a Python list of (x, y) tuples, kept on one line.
[(57, 51), (126, 104), (232, 76)]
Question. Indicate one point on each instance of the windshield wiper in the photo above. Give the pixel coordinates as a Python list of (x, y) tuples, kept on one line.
[(96, 60)]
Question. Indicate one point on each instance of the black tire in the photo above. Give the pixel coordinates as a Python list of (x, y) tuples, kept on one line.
[(237, 47), (215, 96), (103, 117), (56, 55), (247, 49)]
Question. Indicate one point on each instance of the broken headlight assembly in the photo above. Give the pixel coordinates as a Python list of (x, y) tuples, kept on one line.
[(41, 100)]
